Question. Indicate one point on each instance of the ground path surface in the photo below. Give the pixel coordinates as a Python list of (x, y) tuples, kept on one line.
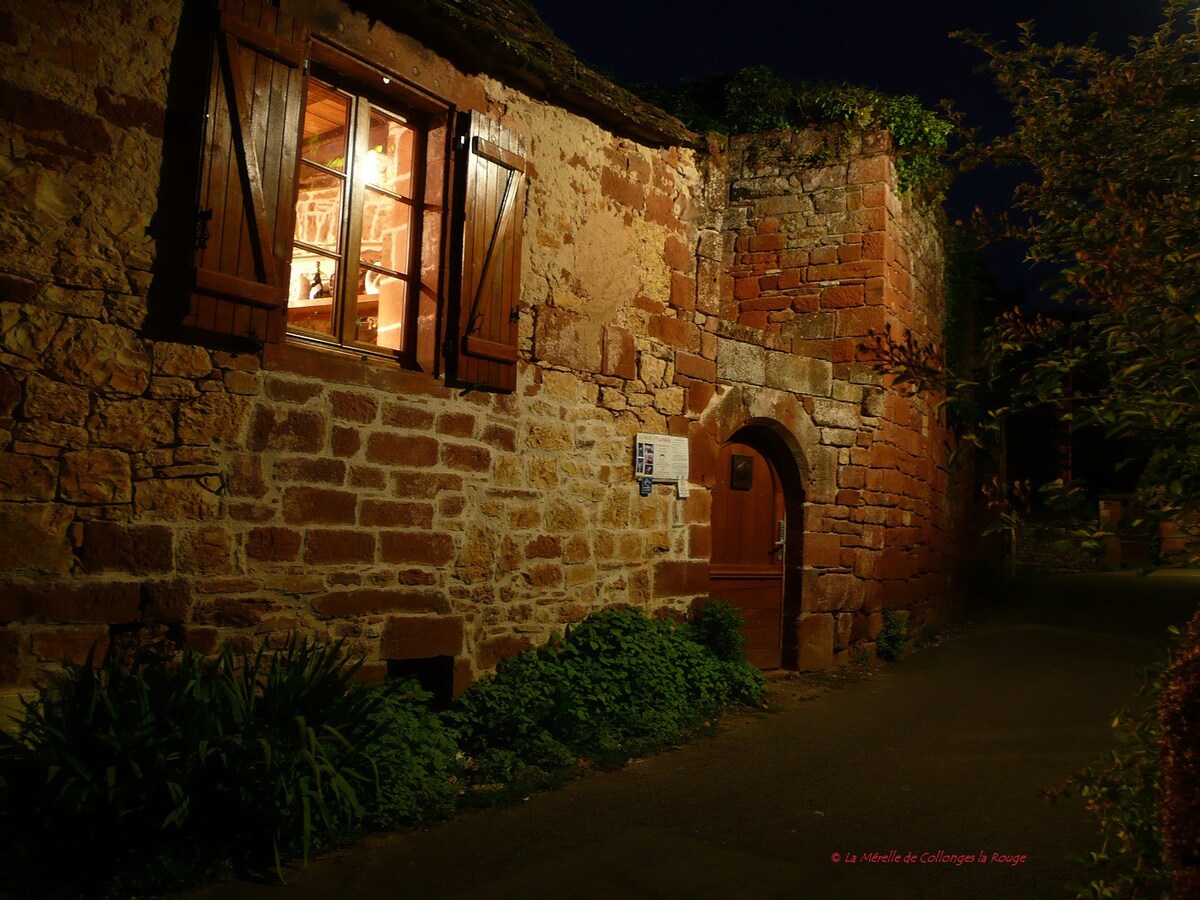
[(945, 751)]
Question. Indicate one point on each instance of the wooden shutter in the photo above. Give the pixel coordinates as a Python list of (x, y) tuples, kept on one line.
[(248, 172), (489, 282)]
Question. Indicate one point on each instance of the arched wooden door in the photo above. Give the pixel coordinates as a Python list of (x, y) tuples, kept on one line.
[(748, 529)]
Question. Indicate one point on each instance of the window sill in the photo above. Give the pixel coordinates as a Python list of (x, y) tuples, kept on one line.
[(337, 366)]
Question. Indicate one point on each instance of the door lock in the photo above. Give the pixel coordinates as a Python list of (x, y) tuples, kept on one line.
[(781, 536)]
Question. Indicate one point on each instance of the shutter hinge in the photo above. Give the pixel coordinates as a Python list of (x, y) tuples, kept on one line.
[(448, 346), (515, 314), (462, 142), (202, 233)]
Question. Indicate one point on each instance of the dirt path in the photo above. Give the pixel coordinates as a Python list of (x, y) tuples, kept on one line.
[(944, 752)]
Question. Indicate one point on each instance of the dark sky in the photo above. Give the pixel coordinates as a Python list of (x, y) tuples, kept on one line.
[(897, 46)]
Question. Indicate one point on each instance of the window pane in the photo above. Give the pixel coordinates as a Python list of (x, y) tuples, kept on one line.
[(326, 126), (388, 161), (319, 208), (382, 308), (386, 232), (310, 295)]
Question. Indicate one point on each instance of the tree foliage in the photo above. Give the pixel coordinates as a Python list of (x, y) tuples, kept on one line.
[(1108, 146)]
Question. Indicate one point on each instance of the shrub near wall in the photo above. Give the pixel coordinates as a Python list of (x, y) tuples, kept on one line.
[(617, 685), (147, 774)]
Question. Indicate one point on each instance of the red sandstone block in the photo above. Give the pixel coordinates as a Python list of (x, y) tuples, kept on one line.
[(368, 477), (859, 321), (107, 602), (273, 544), (318, 506), (292, 391), (115, 547), (377, 601), (700, 542), (676, 578), (353, 407), (842, 295), (618, 356), (677, 254), (766, 243), (789, 279), (822, 550), (849, 253), (500, 647), (346, 441), (424, 485), (400, 415), (395, 514), (390, 449), (301, 431), (676, 332), (768, 304), (866, 170), (683, 291), (873, 245), (75, 644), (465, 458), (456, 424), (421, 637), (698, 396), (416, 547), (311, 469), (621, 190), (767, 225), (822, 256), (768, 283), (864, 268), (338, 546), (695, 367), (502, 437), (874, 195), (544, 547), (544, 575), (745, 288), (754, 319)]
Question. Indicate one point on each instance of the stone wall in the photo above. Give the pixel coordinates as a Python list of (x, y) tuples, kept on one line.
[(824, 252), (234, 497)]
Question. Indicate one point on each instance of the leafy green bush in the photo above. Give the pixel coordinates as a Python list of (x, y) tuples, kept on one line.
[(617, 685), (715, 626), (416, 757), (1123, 789), (145, 775), (889, 644)]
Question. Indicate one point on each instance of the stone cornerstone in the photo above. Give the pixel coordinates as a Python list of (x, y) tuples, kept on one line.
[(232, 494)]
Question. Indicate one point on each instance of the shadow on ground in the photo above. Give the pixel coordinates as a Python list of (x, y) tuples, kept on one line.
[(946, 751)]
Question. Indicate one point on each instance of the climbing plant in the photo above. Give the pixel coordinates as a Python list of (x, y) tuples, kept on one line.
[(758, 99)]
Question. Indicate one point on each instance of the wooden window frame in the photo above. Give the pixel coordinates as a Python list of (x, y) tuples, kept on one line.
[(432, 119)]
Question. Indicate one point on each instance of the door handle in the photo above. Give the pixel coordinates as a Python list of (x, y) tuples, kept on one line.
[(781, 537)]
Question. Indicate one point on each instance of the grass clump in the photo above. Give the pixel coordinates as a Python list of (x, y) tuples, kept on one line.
[(147, 774), (893, 636), (616, 686)]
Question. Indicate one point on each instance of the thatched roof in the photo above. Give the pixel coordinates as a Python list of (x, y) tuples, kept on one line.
[(508, 40)]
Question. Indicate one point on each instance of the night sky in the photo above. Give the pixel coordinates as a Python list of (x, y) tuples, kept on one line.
[(897, 47)]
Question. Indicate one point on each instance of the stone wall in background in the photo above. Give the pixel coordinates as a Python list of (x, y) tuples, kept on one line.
[(233, 497), (823, 252)]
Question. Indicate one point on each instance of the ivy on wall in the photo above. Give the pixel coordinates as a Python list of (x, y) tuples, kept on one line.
[(757, 99)]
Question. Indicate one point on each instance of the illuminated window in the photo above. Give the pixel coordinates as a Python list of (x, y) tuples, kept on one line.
[(355, 263)]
